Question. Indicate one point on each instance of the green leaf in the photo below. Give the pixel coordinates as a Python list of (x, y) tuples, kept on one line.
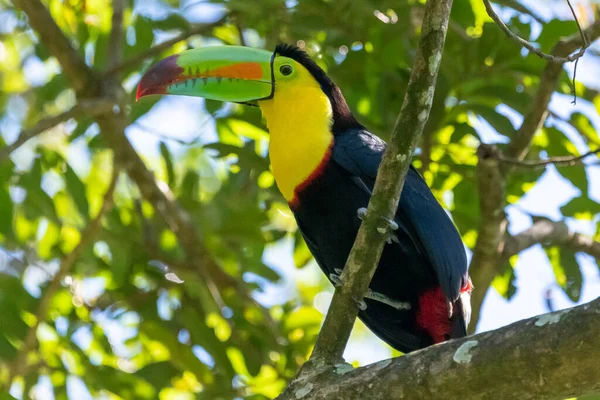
[(144, 35), (172, 21), (8, 352), (553, 31), (566, 270), (559, 145), (6, 212), (50, 91), (83, 125), (168, 159), (181, 355), (585, 128), (581, 207), (101, 53), (302, 254), (121, 259), (158, 374), (76, 189), (504, 282), (499, 122)]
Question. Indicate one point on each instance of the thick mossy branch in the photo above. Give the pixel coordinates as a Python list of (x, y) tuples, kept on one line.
[(552, 356), (367, 249)]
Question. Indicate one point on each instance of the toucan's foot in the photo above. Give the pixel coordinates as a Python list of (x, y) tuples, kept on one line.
[(336, 279), (338, 271), (390, 226), (381, 298), (391, 238), (362, 306)]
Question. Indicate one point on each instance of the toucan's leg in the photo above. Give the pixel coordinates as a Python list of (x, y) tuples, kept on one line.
[(336, 278), (398, 305), (387, 230)]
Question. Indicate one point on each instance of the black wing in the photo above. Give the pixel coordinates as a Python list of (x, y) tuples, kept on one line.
[(419, 213)]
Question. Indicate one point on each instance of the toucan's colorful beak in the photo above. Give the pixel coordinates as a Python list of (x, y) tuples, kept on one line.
[(226, 73)]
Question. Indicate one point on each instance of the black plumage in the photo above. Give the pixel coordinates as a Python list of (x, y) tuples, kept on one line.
[(426, 268)]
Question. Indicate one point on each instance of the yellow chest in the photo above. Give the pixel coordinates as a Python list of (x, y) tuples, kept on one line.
[(299, 121)]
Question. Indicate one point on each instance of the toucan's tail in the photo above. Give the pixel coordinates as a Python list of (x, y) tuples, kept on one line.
[(461, 314)]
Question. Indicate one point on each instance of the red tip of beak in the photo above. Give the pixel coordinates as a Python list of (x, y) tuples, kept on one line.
[(159, 77), (140, 92)]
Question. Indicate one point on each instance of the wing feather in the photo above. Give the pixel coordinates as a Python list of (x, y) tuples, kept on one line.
[(419, 213)]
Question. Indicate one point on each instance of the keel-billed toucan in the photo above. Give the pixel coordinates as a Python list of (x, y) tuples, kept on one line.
[(325, 163)]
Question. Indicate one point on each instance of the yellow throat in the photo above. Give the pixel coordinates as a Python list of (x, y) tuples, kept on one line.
[(299, 120)]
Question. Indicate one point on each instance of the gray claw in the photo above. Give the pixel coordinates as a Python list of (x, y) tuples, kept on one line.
[(362, 306), (361, 213), (337, 281), (392, 238), (338, 271), (393, 225)]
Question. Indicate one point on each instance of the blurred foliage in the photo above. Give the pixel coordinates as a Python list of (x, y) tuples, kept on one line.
[(126, 322)]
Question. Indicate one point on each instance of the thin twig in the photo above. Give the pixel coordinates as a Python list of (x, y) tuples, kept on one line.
[(238, 25), (89, 234), (529, 46), (585, 45), (538, 109), (563, 161), (159, 48), (92, 107)]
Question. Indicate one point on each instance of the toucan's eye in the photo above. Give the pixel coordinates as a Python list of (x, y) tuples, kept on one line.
[(285, 69)]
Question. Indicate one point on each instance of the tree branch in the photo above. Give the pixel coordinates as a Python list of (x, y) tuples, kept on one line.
[(484, 264), (115, 41), (524, 43), (492, 227), (159, 48), (88, 235), (564, 161), (113, 130), (552, 356), (534, 119), (367, 249), (92, 107), (550, 233), (74, 67)]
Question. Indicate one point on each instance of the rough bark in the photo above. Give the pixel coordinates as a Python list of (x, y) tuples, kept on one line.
[(552, 356)]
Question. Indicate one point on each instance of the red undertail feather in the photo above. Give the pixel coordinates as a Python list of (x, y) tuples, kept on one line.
[(434, 312), (433, 315)]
